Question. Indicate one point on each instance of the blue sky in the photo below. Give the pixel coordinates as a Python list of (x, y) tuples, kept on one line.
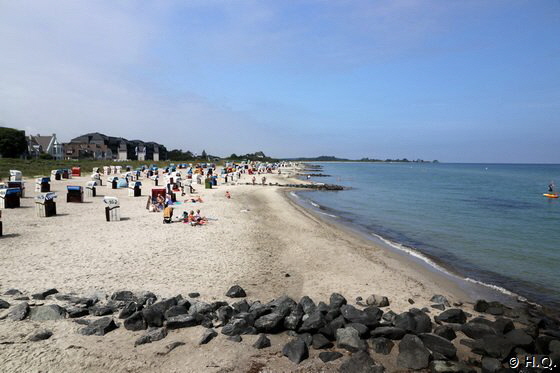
[(463, 81)]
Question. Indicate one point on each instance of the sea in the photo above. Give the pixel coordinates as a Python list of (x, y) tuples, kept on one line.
[(487, 224)]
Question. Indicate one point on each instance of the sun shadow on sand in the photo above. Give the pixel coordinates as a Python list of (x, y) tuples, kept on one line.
[(10, 235), (124, 219)]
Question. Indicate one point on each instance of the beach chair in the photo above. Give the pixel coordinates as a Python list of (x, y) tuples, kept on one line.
[(112, 210), (106, 170), (15, 175), (19, 185), (134, 189), (45, 205), (43, 185), (76, 172), (91, 188), (97, 178), (66, 174), (118, 169), (9, 198), (112, 182), (75, 194)]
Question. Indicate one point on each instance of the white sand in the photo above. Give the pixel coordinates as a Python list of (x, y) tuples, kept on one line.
[(78, 251)]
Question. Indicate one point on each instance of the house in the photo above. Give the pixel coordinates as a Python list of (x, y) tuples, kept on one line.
[(99, 146), (139, 149), (38, 145)]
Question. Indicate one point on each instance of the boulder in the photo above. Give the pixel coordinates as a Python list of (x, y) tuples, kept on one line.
[(349, 339), (327, 356), (477, 330), (124, 296), (490, 365), (452, 315), (440, 307), (241, 306), (235, 327), (40, 335), (412, 353), (446, 332), (307, 305), (313, 323), (519, 338), (75, 312), (176, 311), (4, 304), (362, 330), (199, 307), (100, 311), (369, 316), (503, 325), (389, 332), (440, 299), (438, 344), (13, 292), (19, 312), (135, 322), (360, 362), (377, 301), (193, 295), (293, 320), (145, 298), (207, 336), (100, 326), (181, 321), (236, 291), (269, 323), (224, 314), (151, 336), (42, 295), (296, 350), (481, 305), (262, 342), (389, 316), (306, 337), (128, 310), (445, 366), (496, 346), (50, 312), (382, 345), (495, 308), (235, 338), (336, 300), (320, 341), (283, 305)]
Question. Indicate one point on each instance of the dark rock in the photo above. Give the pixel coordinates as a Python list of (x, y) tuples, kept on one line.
[(477, 330), (135, 322), (453, 315), (235, 338), (336, 300), (42, 295), (327, 356), (412, 353), (440, 307), (40, 335), (100, 326), (124, 296), (4, 304), (50, 312), (235, 327), (363, 330), (296, 350), (332, 314), (241, 306), (519, 338), (440, 299), (446, 332), (349, 339), (153, 316), (207, 336), (329, 330), (322, 307), (257, 309), (435, 343), (320, 342), (481, 305), (83, 321), (128, 310), (495, 346), (193, 295), (269, 323), (313, 323), (360, 362), (176, 311), (215, 305), (145, 298), (293, 320), (495, 308), (389, 332), (283, 305), (377, 301), (307, 305), (410, 300), (369, 316), (389, 316), (21, 298), (100, 311), (422, 320), (151, 336), (13, 292), (468, 342), (262, 342), (181, 321), (306, 337), (490, 365), (248, 317), (382, 345), (444, 366), (74, 299), (236, 291), (200, 307), (224, 314), (75, 312), (503, 325)]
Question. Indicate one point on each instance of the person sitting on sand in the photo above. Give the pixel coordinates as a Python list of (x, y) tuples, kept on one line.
[(194, 200), (228, 196), (160, 202), (199, 218)]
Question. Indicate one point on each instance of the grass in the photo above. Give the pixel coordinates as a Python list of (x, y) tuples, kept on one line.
[(32, 168)]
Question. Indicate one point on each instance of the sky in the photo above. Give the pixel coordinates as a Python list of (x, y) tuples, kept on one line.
[(457, 81)]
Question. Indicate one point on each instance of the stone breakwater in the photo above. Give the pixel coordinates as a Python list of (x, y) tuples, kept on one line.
[(305, 186), (358, 335)]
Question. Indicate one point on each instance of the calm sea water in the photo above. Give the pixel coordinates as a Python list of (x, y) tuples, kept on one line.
[(485, 222)]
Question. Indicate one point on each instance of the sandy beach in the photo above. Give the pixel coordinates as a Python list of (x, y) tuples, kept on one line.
[(258, 239)]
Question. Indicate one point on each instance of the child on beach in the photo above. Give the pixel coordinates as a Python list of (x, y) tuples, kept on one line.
[(228, 196)]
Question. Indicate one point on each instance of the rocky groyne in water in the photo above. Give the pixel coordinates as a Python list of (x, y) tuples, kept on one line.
[(353, 336)]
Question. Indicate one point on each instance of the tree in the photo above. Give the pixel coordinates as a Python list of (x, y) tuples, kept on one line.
[(13, 143), (204, 155)]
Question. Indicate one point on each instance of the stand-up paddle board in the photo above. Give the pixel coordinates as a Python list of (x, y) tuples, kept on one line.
[(550, 195)]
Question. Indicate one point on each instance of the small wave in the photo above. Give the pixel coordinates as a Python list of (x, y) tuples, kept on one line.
[(293, 194), (314, 204), (324, 213), (494, 287)]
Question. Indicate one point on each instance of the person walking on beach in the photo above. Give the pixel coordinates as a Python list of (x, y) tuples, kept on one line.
[(254, 180)]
